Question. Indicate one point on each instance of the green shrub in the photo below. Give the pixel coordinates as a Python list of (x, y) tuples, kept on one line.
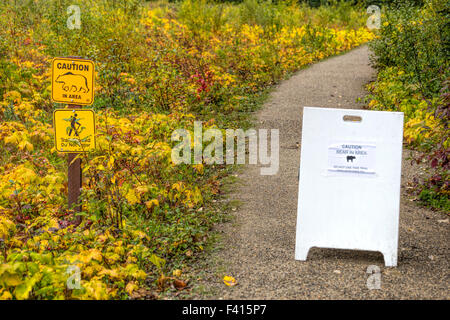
[(435, 199), (415, 39), (411, 54)]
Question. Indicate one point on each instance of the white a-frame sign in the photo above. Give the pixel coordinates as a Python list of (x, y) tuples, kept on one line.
[(349, 188)]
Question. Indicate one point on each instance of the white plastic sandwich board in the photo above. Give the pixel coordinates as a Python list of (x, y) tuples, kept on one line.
[(349, 182)]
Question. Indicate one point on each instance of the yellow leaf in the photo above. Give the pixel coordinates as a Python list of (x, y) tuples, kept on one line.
[(112, 257), (114, 274), (96, 254), (150, 204), (177, 186), (229, 281), (102, 238), (139, 275), (96, 289), (11, 280), (138, 234), (86, 257), (5, 295), (88, 271), (14, 139), (176, 273), (131, 260), (26, 175), (23, 290), (131, 286), (26, 145), (119, 250), (142, 189), (199, 168), (111, 162), (6, 226), (131, 197)]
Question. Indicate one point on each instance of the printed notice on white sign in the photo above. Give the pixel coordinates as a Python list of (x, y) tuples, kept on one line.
[(353, 158)]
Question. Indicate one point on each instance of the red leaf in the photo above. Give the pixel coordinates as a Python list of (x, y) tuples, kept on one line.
[(434, 163), (179, 284)]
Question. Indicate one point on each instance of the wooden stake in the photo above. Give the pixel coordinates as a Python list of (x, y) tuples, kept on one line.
[(74, 178)]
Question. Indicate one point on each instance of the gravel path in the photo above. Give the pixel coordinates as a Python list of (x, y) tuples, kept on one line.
[(257, 246)]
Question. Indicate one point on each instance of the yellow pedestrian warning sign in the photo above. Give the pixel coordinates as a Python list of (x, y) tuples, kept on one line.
[(73, 81), (74, 130)]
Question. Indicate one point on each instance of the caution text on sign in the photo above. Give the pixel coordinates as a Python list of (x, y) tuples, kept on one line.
[(351, 158), (74, 130), (73, 81)]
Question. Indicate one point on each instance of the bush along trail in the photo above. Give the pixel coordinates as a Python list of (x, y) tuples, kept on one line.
[(159, 67), (411, 54)]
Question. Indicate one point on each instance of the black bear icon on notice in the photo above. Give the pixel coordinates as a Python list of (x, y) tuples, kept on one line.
[(350, 158), (73, 82)]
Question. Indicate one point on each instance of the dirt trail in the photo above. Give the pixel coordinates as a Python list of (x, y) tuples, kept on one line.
[(257, 247)]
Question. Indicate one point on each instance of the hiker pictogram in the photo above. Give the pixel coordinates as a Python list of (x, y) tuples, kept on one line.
[(74, 130), (75, 126)]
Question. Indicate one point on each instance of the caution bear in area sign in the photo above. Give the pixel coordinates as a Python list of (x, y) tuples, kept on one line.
[(353, 159), (73, 81), (74, 130)]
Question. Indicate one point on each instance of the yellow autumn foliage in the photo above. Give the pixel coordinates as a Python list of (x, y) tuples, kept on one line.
[(163, 69)]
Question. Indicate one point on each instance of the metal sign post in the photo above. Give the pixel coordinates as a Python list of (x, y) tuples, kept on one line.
[(73, 83)]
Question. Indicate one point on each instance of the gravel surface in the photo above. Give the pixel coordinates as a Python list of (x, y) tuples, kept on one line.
[(257, 246)]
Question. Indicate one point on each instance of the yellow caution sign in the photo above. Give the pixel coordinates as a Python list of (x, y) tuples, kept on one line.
[(74, 130), (73, 81)]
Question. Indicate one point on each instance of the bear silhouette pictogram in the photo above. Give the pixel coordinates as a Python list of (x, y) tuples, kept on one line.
[(73, 82), (350, 158)]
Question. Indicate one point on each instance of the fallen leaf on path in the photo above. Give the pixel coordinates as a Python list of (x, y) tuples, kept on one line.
[(131, 286), (179, 284), (143, 294), (229, 281), (176, 273), (162, 281)]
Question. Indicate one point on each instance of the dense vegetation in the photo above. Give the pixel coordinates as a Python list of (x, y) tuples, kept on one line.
[(412, 51), (159, 66)]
